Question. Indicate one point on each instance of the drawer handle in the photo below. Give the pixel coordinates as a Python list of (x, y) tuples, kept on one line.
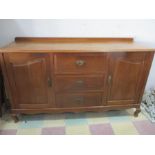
[(79, 100), (80, 82), (80, 62)]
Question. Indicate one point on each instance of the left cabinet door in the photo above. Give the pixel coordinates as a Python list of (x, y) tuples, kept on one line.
[(29, 77)]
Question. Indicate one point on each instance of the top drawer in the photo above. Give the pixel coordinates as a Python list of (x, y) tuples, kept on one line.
[(80, 63)]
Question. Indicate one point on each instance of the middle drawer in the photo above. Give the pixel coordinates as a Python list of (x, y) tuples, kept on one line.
[(71, 83)]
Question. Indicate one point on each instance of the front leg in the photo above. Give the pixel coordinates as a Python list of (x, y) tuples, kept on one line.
[(15, 117), (137, 112)]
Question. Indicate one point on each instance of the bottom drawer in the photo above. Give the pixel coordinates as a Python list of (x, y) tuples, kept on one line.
[(78, 100)]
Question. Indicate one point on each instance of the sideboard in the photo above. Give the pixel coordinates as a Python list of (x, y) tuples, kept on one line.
[(55, 75), (1, 93)]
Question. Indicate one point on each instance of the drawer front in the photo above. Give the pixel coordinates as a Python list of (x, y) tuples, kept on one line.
[(79, 83), (78, 100), (80, 63)]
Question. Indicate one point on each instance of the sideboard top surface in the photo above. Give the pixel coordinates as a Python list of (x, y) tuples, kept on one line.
[(31, 44)]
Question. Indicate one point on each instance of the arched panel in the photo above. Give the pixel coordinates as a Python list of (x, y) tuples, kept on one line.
[(29, 75), (125, 72)]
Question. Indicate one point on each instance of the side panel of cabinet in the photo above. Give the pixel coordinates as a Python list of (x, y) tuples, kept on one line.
[(30, 79), (126, 71)]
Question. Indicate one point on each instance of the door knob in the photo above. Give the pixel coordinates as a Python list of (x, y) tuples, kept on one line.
[(49, 82)]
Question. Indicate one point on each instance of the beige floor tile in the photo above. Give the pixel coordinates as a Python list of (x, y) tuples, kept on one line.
[(125, 128), (29, 131), (9, 124), (77, 130)]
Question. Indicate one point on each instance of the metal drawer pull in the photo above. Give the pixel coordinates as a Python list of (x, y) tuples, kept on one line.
[(80, 82), (80, 62), (79, 99)]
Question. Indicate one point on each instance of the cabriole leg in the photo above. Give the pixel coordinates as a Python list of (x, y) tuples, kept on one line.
[(137, 112), (15, 118)]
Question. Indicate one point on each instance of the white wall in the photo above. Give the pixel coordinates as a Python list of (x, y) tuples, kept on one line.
[(141, 30)]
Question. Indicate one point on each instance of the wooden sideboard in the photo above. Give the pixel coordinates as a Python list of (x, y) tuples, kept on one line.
[(1, 94), (44, 75)]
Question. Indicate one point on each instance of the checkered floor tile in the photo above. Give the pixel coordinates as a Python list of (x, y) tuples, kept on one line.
[(89, 123)]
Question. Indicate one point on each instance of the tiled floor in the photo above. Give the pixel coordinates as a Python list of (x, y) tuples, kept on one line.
[(90, 123)]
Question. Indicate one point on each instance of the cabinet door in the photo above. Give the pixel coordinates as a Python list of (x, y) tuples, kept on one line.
[(30, 79), (125, 75)]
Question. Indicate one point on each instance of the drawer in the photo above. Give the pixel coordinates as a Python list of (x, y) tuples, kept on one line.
[(78, 100), (80, 63), (79, 83)]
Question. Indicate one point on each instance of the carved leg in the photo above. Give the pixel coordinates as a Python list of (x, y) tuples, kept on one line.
[(15, 118), (137, 112)]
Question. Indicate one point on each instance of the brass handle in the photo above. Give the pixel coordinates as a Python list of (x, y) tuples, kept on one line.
[(49, 82), (80, 82), (109, 79), (80, 62)]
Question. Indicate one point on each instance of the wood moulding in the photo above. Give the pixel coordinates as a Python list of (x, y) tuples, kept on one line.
[(72, 40)]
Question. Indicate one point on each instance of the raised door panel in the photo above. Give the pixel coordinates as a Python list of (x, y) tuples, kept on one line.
[(29, 75), (125, 73)]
